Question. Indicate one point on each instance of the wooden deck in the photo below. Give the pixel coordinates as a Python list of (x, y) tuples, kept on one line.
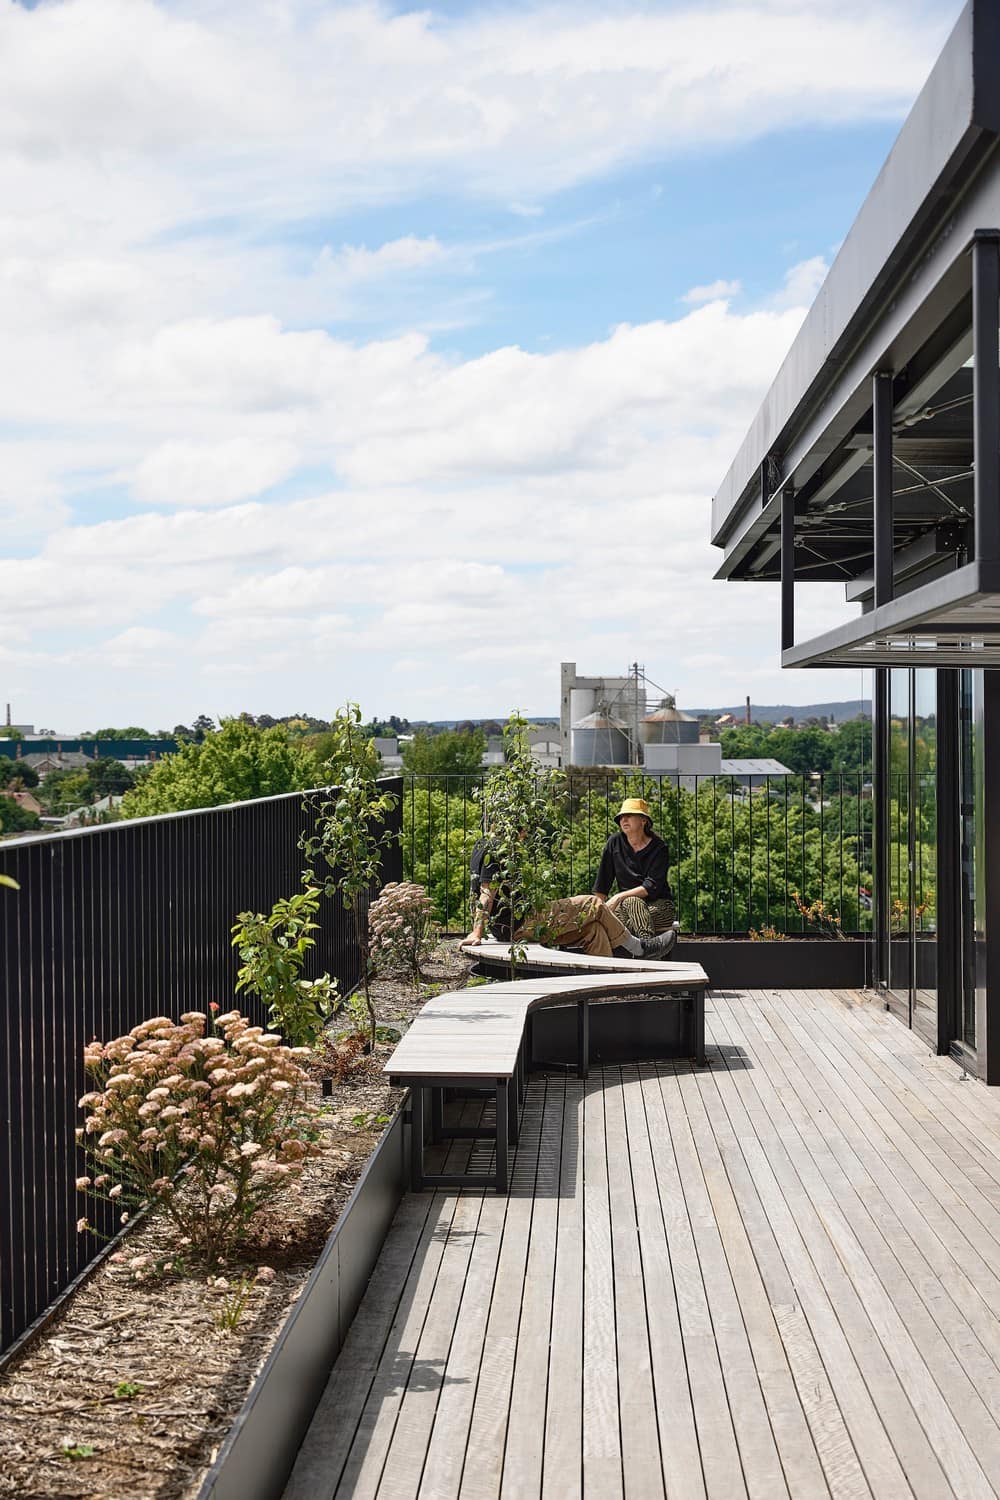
[(779, 1275)]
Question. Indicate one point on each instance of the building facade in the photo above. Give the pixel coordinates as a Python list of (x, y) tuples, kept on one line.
[(875, 460)]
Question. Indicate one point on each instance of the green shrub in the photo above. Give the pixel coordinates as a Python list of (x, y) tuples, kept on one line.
[(273, 950), (207, 1128)]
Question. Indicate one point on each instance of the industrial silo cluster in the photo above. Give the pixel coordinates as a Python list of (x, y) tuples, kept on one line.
[(601, 736)]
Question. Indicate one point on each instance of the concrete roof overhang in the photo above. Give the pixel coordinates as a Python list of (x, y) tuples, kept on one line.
[(897, 298)]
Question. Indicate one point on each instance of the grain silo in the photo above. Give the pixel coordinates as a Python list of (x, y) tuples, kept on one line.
[(599, 739), (667, 725)]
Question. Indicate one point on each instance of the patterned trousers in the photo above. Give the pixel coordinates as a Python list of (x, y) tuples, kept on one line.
[(644, 919)]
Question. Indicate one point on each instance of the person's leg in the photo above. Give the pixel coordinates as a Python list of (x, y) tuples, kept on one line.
[(661, 914), (577, 922), (634, 913)]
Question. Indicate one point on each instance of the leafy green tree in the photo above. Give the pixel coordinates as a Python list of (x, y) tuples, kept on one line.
[(450, 753), (132, 732), (235, 764), (108, 777), (14, 773), (62, 791), (202, 725), (351, 833), (16, 819), (522, 836)]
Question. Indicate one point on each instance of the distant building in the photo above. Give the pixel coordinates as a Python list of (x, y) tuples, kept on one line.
[(27, 800), (388, 749), (55, 760), (545, 747)]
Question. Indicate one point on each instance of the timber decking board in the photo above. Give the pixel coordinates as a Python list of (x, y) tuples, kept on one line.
[(776, 1276)]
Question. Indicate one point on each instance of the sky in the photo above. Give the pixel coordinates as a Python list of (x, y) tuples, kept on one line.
[(358, 352)]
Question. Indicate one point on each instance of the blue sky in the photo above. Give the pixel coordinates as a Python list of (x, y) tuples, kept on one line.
[(358, 352)]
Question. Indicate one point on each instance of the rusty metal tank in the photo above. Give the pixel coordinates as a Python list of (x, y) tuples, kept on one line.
[(667, 725)]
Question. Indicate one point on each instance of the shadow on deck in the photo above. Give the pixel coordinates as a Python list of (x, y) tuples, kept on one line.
[(779, 1275)]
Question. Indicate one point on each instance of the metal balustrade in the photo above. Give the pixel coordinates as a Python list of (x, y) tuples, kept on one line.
[(111, 926), (739, 854)]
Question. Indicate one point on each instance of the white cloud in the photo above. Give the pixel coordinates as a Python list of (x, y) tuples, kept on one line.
[(358, 263), (353, 102), (195, 475), (713, 292), (802, 282)]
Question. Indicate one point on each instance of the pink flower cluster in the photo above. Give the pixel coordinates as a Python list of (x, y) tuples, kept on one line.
[(208, 1127), (401, 926)]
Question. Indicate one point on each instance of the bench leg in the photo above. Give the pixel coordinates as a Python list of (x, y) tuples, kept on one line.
[(437, 1115), (513, 1113), (699, 1028), (503, 1126), (582, 1039), (417, 1138)]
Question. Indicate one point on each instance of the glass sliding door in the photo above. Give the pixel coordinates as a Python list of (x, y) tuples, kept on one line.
[(899, 850), (912, 848), (924, 843)]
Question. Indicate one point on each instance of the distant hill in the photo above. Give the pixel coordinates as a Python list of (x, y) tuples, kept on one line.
[(773, 713)]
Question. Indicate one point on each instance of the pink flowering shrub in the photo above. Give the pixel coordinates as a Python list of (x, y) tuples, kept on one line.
[(209, 1129), (402, 930)]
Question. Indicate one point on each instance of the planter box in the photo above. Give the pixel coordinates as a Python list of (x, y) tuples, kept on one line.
[(257, 1457), (798, 964)]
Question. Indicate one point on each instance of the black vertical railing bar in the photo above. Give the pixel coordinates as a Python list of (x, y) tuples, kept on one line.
[(788, 889), (732, 859), (822, 840), (447, 850), (715, 853), (697, 849), (802, 843), (840, 842), (65, 1118), (769, 821), (750, 852)]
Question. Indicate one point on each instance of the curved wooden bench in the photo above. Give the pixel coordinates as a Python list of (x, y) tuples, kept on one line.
[(477, 1037)]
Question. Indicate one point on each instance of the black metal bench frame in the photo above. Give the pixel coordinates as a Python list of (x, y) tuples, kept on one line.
[(508, 1093)]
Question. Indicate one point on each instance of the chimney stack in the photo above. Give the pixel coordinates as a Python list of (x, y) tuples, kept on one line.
[(749, 721)]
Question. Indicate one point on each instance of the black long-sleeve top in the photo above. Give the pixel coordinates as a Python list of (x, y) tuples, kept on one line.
[(630, 867)]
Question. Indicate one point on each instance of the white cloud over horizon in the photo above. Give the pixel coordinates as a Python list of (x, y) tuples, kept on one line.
[(228, 474)]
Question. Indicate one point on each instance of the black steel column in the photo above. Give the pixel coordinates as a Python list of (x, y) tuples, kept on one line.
[(988, 982), (417, 1138), (787, 568), (882, 466), (880, 821), (949, 857), (582, 1039), (986, 392)]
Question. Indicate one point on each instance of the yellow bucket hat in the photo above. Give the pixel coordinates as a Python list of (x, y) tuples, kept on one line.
[(635, 805)]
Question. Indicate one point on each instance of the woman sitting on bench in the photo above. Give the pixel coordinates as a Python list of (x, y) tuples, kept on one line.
[(637, 860), (585, 922)]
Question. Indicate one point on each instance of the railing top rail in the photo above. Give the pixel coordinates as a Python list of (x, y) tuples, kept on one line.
[(18, 841)]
